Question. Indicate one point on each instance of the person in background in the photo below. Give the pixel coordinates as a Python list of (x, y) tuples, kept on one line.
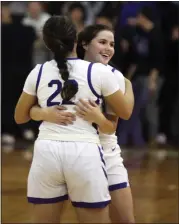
[(92, 9), (104, 20), (36, 18), (146, 59), (77, 14), (169, 99), (16, 50)]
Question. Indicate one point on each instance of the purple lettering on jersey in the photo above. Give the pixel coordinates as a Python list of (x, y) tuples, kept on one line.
[(54, 94), (58, 84)]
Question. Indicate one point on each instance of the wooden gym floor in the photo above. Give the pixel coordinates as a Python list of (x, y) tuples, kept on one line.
[(153, 178)]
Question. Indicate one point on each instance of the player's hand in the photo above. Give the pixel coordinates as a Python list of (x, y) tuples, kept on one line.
[(57, 115), (89, 111)]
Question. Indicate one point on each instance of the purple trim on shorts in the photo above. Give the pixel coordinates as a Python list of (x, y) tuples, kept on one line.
[(105, 173), (39, 77), (101, 155), (89, 81), (47, 200), (118, 186), (101, 204)]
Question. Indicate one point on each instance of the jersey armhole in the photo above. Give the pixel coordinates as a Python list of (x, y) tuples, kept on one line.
[(39, 77), (89, 81)]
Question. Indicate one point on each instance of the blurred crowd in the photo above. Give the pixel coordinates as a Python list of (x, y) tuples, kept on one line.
[(146, 52)]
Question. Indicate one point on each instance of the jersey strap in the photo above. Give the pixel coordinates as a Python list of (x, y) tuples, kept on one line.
[(39, 77), (89, 81)]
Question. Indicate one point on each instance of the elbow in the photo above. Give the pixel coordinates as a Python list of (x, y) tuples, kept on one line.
[(127, 115), (129, 110), (21, 119), (20, 122)]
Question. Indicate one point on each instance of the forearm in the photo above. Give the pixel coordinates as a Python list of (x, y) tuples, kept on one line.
[(129, 95), (22, 110), (21, 118), (107, 123), (37, 113), (106, 126)]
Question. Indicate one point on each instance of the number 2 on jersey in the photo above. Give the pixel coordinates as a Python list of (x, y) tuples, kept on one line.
[(57, 91)]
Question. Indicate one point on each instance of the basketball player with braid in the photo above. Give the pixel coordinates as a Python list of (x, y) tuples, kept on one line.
[(68, 160), (96, 43)]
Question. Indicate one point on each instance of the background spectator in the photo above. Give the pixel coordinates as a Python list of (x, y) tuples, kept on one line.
[(16, 49), (36, 18), (77, 13)]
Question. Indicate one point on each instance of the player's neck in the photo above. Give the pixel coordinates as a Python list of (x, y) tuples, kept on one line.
[(86, 58), (72, 55)]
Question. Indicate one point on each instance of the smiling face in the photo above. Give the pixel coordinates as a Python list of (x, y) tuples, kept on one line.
[(101, 48)]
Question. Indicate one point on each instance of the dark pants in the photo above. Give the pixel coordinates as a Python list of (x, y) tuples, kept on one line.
[(12, 85), (146, 103)]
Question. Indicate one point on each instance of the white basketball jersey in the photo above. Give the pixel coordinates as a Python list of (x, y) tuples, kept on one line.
[(94, 81), (110, 141)]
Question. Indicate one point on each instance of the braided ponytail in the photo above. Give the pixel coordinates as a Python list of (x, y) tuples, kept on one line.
[(70, 87), (59, 35)]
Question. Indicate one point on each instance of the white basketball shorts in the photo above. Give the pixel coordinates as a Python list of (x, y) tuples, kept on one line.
[(60, 169), (117, 173)]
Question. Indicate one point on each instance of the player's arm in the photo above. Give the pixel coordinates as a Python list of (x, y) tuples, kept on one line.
[(90, 111), (110, 123), (121, 105), (28, 98), (129, 94), (54, 114), (22, 110), (126, 88)]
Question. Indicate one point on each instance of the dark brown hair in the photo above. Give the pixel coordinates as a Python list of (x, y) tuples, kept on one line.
[(59, 35), (87, 35)]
